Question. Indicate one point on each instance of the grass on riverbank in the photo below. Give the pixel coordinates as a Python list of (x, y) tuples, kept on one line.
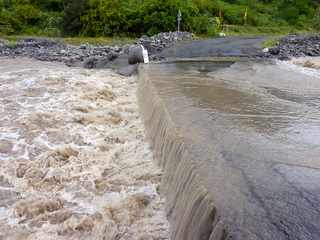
[(272, 34), (235, 30), (99, 40), (271, 41), (13, 39)]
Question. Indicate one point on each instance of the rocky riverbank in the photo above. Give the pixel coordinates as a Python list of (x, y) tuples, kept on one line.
[(116, 57), (85, 55), (296, 46)]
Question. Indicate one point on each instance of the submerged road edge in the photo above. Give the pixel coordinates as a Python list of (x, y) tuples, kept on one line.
[(190, 209)]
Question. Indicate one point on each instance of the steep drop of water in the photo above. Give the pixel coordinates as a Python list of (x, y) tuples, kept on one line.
[(239, 147), (190, 209)]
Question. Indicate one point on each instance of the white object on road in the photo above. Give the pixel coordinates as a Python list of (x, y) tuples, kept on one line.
[(265, 50), (145, 55)]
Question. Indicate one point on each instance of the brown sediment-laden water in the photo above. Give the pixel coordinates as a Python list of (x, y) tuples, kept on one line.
[(74, 163), (239, 144)]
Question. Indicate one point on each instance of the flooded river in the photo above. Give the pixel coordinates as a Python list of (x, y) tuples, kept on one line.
[(249, 134), (238, 143), (74, 163)]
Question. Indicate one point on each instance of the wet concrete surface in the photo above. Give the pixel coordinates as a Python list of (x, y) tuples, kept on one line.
[(254, 130), (226, 47)]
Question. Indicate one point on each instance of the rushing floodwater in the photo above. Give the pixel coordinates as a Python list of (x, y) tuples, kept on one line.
[(73, 160), (239, 143), (251, 133)]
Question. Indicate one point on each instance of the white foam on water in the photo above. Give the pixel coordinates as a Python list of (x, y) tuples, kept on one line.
[(76, 136), (293, 65), (7, 215), (7, 134)]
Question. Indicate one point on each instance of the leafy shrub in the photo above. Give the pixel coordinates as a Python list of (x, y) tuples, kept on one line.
[(202, 24), (107, 17), (50, 23), (316, 20), (9, 23), (28, 14), (135, 17), (234, 14), (73, 10)]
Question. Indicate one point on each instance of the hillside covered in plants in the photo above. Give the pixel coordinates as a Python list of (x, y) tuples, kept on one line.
[(96, 18)]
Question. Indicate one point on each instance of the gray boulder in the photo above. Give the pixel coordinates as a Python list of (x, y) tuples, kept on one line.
[(135, 54), (274, 50), (91, 62), (128, 70), (100, 62), (3, 42)]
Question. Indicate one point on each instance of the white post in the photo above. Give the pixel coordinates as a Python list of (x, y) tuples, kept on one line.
[(179, 18)]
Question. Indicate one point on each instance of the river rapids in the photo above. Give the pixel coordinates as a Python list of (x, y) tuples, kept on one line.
[(74, 163)]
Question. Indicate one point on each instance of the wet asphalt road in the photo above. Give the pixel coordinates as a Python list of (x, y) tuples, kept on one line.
[(226, 47)]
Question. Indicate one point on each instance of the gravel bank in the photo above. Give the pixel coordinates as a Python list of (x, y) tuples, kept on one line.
[(296, 46), (116, 57), (88, 56)]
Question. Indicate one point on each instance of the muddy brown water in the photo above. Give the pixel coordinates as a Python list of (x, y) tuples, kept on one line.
[(74, 163), (239, 143)]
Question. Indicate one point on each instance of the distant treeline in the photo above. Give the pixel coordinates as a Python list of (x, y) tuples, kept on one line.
[(135, 17)]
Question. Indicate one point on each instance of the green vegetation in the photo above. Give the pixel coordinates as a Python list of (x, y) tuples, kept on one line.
[(99, 40), (131, 18), (12, 44), (13, 40), (271, 42)]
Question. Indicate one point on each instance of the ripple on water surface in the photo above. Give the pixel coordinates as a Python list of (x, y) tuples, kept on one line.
[(252, 129)]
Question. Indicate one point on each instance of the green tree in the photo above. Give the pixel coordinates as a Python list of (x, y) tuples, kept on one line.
[(73, 10), (291, 10)]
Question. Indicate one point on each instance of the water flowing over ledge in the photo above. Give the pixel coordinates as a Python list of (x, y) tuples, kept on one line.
[(239, 146), (190, 209)]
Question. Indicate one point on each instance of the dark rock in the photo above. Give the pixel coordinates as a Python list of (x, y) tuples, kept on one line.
[(112, 56), (135, 55), (90, 62), (274, 51), (83, 46), (284, 58), (128, 70), (73, 62), (102, 62), (157, 43)]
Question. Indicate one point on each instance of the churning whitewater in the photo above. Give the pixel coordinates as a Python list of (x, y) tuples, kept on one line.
[(74, 163)]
